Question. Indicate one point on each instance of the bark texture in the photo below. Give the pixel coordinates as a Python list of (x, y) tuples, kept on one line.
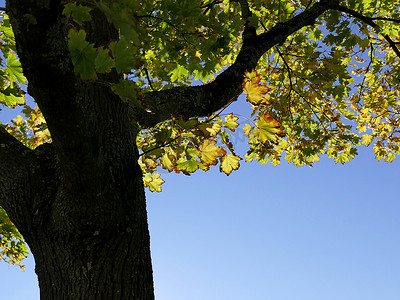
[(79, 202)]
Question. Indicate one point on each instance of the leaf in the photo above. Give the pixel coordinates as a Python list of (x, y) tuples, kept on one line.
[(127, 90), (190, 165), (229, 163), (210, 152), (153, 182), (103, 62), (166, 162), (248, 129), (267, 129), (124, 55), (178, 72), (210, 129), (255, 91), (83, 54), (12, 96), (121, 21), (230, 122), (14, 69), (79, 13)]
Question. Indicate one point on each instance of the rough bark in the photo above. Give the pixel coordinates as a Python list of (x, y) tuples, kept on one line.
[(79, 202)]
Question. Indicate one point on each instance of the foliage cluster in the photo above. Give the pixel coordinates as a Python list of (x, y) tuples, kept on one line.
[(326, 90)]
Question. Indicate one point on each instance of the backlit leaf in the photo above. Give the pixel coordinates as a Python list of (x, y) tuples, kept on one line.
[(229, 163), (210, 152), (255, 90), (153, 182), (267, 129)]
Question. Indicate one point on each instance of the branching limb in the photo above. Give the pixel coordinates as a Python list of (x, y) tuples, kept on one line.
[(370, 21), (13, 159), (201, 101)]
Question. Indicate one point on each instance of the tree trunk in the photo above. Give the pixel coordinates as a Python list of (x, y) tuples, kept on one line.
[(79, 202), (89, 233)]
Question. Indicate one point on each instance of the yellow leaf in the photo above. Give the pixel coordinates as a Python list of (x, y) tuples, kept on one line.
[(229, 163), (267, 129), (18, 120), (210, 152), (166, 162), (230, 122), (255, 91), (153, 182)]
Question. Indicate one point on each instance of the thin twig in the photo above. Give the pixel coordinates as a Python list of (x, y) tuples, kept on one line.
[(148, 78), (370, 22)]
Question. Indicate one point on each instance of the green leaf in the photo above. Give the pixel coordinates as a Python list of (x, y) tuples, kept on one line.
[(103, 62), (127, 90), (121, 20), (79, 13), (14, 69), (124, 55), (178, 72), (83, 54), (12, 96), (189, 165)]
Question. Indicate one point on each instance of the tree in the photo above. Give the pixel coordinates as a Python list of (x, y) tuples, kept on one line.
[(113, 81)]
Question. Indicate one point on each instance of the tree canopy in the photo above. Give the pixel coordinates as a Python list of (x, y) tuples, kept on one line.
[(321, 77)]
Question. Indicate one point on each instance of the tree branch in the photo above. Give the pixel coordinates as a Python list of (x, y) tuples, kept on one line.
[(370, 21), (201, 101), (13, 159)]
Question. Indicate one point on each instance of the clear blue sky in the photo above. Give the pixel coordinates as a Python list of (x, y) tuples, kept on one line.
[(329, 232)]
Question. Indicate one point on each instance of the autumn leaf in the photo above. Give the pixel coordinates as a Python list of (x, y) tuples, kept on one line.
[(230, 122), (190, 165), (210, 152), (229, 163), (267, 129), (255, 90), (153, 182), (210, 129), (166, 162)]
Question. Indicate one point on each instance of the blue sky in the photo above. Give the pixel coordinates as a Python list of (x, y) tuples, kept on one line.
[(264, 233), (327, 232)]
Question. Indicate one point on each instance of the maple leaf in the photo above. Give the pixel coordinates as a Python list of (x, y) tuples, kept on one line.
[(267, 129), (210, 129), (255, 90), (230, 122), (229, 163), (153, 181), (189, 166), (166, 162), (83, 54), (210, 152)]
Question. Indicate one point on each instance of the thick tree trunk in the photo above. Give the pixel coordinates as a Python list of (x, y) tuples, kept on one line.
[(79, 202), (100, 251), (86, 245)]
